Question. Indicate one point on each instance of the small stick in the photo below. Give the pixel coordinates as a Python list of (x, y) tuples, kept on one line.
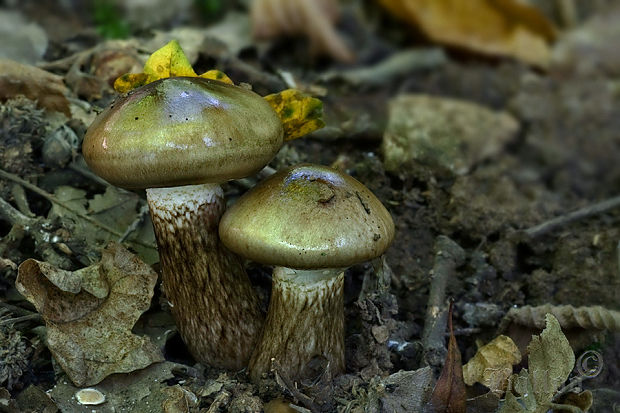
[(16, 309), (20, 319), (579, 214), (134, 225), (448, 256), (288, 385), (19, 196)]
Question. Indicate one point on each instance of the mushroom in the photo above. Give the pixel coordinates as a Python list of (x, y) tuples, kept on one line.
[(311, 222), (180, 138)]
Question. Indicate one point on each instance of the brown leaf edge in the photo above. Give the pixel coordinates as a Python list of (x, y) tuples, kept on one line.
[(449, 393)]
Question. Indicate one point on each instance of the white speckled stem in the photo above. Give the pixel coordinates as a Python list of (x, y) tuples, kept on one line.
[(215, 308), (305, 320)]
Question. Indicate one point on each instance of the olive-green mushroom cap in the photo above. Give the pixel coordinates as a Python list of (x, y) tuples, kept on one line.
[(182, 131), (308, 216)]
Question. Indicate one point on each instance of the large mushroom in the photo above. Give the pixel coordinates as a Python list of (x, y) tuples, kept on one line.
[(180, 138), (311, 222)]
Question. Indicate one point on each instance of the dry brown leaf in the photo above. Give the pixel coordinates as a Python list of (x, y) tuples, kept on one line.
[(46, 88), (449, 394), (491, 27), (312, 18), (590, 318), (89, 313), (492, 364)]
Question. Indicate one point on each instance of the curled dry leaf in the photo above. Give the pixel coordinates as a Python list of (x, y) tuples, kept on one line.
[(492, 364), (592, 318), (449, 393), (491, 27), (312, 18), (89, 313), (46, 88)]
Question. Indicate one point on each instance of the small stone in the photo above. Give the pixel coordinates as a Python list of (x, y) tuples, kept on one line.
[(91, 397), (446, 135)]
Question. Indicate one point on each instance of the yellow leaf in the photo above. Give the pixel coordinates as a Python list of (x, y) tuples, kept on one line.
[(300, 114), (217, 75), (125, 83), (169, 61), (491, 27), (492, 364)]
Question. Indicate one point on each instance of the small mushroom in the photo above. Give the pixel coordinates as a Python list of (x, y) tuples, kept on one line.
[(180, 138), (311, 222)]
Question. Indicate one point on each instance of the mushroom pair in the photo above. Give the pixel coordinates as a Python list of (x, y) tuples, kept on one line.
[(311, 222), (180, 138)]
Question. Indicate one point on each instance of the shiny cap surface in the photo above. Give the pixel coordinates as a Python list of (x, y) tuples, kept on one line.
[(182, 131), (308, 216)]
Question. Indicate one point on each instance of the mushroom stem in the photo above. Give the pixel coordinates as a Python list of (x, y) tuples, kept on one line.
[(305, 320), (211, 298)]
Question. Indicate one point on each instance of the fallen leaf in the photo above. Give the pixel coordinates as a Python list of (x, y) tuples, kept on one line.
[(46, 88), (89, 313), (300, 114), (551, 360), (491, 27), (116, 209), (169, 61), (407, 390), (313, 18), (492, 364), (449, 393), (178, 400)]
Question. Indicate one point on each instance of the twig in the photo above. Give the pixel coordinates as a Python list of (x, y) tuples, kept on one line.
[(399, 64), (20, 319), (19, 196), (581, 213), (448, 256), (77, 166), (16, 309), (289, 386), (136, 222), (14, 178)]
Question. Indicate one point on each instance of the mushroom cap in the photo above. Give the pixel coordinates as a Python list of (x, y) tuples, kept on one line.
[(182, 131), (308, 216)]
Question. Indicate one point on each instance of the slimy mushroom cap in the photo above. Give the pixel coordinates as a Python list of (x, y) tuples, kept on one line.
[(308, 216), (182, 131)]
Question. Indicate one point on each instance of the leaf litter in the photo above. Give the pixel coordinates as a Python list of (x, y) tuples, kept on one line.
[(89, 313)]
